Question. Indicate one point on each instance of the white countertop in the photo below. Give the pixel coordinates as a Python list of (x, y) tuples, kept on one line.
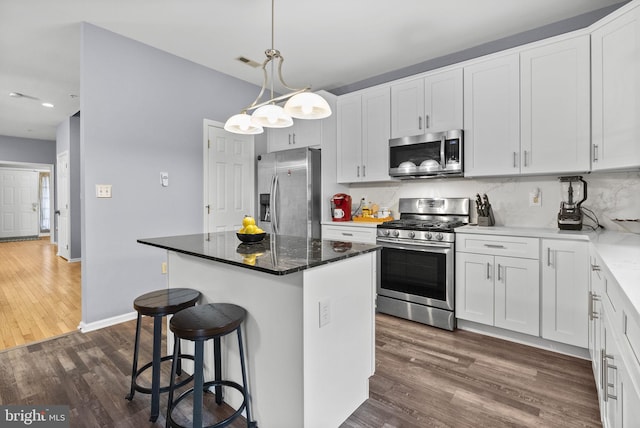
[(619, 251)]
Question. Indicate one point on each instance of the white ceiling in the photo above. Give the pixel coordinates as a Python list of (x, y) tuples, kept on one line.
[(327, 44)]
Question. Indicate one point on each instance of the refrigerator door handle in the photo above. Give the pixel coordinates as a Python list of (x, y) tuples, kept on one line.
[(274, 207)]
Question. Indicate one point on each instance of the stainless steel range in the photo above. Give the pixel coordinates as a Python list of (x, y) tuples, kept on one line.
[(416, 264)]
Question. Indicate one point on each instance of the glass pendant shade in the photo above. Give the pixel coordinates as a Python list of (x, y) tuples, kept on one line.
[(271, 116), (307, 105), (242, 124)]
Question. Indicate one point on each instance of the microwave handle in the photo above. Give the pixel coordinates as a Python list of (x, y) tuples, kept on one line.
[(443, 162)]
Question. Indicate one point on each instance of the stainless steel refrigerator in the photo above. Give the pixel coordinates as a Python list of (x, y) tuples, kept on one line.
[(289, 192)]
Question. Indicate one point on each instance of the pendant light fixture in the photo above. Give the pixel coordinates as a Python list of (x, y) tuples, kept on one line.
[(300, 103)]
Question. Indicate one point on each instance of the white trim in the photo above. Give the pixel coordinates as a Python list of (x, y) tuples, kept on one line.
[(108, 322), (524, 339)]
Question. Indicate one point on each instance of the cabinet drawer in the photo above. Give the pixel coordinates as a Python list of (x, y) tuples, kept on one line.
[(511, 246), (352, 234)]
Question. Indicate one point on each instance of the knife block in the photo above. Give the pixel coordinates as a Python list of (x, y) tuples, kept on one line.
[(487, 220)]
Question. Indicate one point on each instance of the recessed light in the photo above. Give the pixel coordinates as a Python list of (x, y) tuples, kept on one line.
[(47, 105)]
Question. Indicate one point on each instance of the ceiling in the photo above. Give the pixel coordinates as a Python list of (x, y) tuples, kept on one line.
[(327, 44)]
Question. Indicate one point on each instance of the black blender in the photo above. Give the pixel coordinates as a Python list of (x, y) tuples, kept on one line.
[(570, 215)]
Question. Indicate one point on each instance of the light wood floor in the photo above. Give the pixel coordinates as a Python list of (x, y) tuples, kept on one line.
[(425, 377), (39, 293)]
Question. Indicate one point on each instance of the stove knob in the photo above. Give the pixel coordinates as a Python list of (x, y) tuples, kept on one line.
[(385, 232), (428, 235), (396, 233), (412, 235), (439, 236)]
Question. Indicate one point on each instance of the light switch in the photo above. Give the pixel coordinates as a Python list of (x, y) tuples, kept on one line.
[(164, 179), (103, 190)]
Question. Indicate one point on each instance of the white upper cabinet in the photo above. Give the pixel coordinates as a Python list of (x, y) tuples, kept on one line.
[(616, 92), (303, 133), (492, 117), (429, 104), (555, 107), (363, 136)]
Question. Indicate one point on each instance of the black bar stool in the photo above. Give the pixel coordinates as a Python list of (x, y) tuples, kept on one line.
[(198, 324), (158, 304)]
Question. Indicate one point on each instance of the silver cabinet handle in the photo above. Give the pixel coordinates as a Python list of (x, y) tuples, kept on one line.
[(595, 153), (595, 268), (499, 271), (347, 234), (289, 138), (426, 121), (488, 266), (294, 138), (493, 246), (364, 170), (514, 159), (358, 171), (606, 366), (548, 256), (525, 159), (419, 122), (593, 314)]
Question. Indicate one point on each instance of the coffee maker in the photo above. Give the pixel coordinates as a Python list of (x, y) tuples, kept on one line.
[(570, 215), (341, 207)]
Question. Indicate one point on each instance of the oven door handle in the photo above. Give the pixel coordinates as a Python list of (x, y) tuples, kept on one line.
[(432, 247)]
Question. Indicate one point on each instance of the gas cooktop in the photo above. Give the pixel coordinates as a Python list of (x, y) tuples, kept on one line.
[(421, 225)]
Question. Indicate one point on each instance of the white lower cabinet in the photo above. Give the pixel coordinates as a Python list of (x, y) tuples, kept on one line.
[(612, 336), (497, 290), (565, 291)]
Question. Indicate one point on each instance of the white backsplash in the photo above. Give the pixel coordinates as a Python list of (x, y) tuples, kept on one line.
[(610, 195)]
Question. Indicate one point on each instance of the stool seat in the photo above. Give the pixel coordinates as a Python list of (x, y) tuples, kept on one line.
[(207, 321), (165, 302)]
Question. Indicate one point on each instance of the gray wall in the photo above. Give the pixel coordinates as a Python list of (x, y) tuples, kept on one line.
[(554, 29), (142, 113), (27, 150)]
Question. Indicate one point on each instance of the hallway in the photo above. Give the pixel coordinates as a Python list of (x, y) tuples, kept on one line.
[(39, 293)]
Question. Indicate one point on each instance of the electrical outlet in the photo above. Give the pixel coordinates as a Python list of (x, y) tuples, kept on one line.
[(535, 198), (324, 309), (103, 190), (164, 267)]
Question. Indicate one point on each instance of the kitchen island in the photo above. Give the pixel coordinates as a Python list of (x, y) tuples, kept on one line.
[(310, 327)]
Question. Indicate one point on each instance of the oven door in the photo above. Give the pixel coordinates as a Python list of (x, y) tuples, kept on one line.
[(420, 274)]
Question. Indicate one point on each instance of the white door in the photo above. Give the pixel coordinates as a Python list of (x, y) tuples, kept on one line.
[(62, 189), (517, 294), (229, 179), (375, 135), (18, 203), (349, 162), (443, 101), (475, 287), (407, 108)]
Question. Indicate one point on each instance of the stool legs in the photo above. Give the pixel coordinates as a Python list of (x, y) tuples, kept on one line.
[(155, 368), (217, 362), (250, 423), (135, 361)]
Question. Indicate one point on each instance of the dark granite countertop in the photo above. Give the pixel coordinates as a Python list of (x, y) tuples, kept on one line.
[(276, 254)]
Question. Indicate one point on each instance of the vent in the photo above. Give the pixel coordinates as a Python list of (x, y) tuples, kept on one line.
[(248, 61)]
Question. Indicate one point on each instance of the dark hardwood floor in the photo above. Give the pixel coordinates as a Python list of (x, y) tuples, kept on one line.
[(425, 377)]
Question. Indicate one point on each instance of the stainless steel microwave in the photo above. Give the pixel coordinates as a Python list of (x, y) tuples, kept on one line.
[(428, 155)]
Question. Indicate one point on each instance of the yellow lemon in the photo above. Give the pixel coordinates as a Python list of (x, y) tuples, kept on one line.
[(241, 230), (251, 229), (258, 230), (248, 220)]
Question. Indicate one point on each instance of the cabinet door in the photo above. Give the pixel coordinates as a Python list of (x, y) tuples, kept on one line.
[(555, 107), (517, 294), (303, 133), (349, 145), (616, 93), (595, 314), (474, 287), (609, 384), (492, 117), (279, 139), (629, 398), (443, 101), (565, 286), (407, 108), (375, 135)]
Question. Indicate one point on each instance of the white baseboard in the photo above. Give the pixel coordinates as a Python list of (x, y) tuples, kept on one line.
[(524, 339), (97, 325)]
